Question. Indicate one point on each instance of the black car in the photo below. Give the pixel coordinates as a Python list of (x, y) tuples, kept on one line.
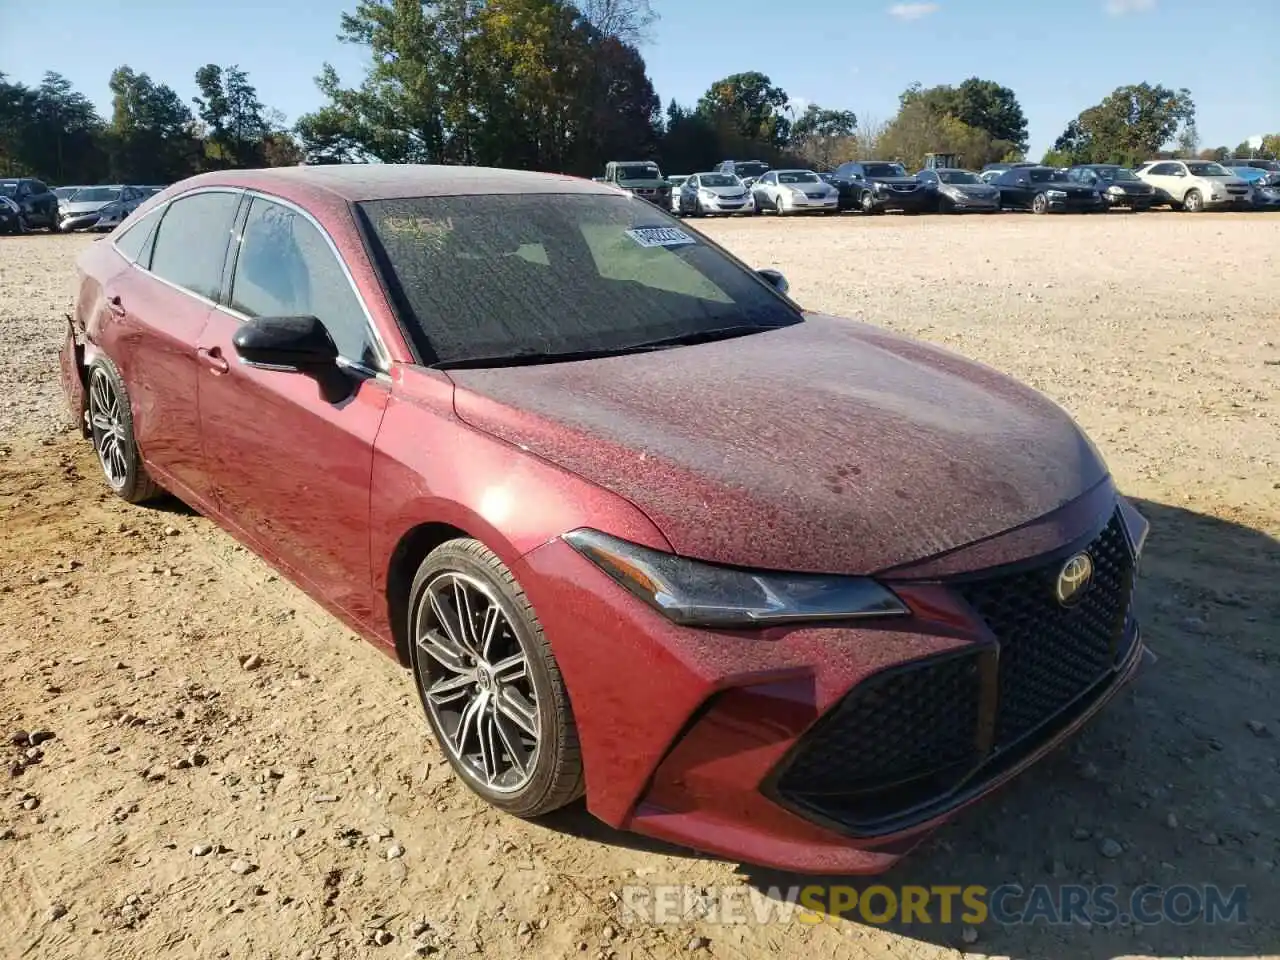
[(955, 190), (30, 203), (874, 186), (1119, 186), (1045, 189), (1271, 166)]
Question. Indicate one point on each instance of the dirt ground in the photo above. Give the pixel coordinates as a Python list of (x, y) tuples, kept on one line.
[(192, 803)]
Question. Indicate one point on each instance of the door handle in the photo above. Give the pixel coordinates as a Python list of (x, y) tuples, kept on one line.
[(116, 307), (213, 359)]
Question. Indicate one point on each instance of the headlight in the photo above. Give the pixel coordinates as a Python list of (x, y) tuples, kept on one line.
[(693, 593), (1115, 188), (706, 195), (1055, 193)]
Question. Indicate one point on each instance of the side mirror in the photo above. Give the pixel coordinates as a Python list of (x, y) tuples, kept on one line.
[(775, 279), (296, 344)]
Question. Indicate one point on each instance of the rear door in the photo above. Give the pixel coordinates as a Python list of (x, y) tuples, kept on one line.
[(158, 309), (291, 456)]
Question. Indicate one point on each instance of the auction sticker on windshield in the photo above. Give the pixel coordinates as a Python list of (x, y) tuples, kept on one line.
[(660, 236)]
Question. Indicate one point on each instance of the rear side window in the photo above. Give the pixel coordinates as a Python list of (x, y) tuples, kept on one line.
[(191, 243), (286, 268), (138, 240)]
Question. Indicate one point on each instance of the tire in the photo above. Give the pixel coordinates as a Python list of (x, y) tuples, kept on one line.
[(946, 205), (111, 427), (1193, 202), (551, 774), (21, 226), (1039, 203), (778, 208), (868, 204)]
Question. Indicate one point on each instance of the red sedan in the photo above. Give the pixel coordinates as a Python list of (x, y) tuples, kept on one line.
[(783, 587)]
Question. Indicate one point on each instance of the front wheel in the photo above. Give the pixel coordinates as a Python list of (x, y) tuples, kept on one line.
[(868, 204), (1040, 204), (1193, 202), (489, 683)]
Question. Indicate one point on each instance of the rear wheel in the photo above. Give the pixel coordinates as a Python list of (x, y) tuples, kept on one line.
[(111, 427), (489, 683), (1193, 202)]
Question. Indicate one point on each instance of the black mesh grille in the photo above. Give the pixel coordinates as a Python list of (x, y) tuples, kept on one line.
[(906, 742), (1050, 654), (895, 726)]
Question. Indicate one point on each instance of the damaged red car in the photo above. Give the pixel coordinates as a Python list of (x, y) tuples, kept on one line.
[(786, 588)]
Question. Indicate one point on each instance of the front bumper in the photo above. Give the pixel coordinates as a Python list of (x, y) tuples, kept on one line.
[(1076, 204), (808, 748), (963, 203), (1131, 201), (794, 204), (80, 222), (893, 200), (1268, 198), (720, 205), (1235, 201)]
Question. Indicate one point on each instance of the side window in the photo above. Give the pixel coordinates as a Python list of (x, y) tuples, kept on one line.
[(136, 242), (191, 242), (38, 188), (286, 268), (1164, 170)]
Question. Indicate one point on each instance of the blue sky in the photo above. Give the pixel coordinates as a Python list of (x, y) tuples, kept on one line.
[(1058, 57)]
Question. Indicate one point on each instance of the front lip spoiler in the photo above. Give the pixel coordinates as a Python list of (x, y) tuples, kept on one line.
[(992, 773)]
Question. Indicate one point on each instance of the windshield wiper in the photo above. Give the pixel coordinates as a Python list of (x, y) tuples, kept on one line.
[(525, 358)]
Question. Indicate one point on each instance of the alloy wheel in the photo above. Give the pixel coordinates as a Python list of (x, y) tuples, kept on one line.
[(1040, 204), (477, 683), (107, 424), (1192, 202)]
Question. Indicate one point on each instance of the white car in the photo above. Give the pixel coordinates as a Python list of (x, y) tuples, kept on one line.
[(1194, 185), (711, 193), (677, 181), (795, 191)]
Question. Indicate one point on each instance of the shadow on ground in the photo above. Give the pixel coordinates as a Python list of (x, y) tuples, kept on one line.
[(1173, 784)]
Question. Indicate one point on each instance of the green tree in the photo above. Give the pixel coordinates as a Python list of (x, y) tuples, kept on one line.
[(750, 105), (689, 142), (628, 21), (1132, 124), (1270, 148), (821, 135), (981, 104), (919, 129), (233, 116), (151, 137)]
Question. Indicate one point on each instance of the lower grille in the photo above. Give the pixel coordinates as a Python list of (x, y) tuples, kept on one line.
[(903, 743)]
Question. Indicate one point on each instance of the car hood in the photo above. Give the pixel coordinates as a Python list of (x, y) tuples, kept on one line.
[(647, 184), (726, 191), (1128, 186), (78, 209), (828, 446), (896, 181), (1231, 181), (971, 189)]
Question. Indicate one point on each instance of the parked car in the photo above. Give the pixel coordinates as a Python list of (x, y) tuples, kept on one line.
[(677, 181), (99, 207), (31, 204), (794, 191), (1119, 186), (748, 171), (1271, 166), (572, 615), (642, 177), (874, 186), (1046, 190), (1264, 186), (705, 194), (1194, 185), (954, 190)]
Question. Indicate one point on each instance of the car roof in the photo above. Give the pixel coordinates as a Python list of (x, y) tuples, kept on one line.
[(383, 181), (946, 170)]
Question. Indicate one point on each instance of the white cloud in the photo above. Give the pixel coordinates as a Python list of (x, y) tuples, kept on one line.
[(913, 11), (1118, 8)]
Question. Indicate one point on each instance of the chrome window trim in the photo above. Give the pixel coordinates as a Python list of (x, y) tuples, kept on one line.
[(379, 344)]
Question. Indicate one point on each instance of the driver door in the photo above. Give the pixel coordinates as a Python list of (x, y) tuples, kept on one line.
[(289, 460)]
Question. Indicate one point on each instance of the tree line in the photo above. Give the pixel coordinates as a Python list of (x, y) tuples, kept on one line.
[(540, 84)]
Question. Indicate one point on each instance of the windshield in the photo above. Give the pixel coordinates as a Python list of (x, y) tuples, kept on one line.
[(1045, 175), (96, 195), (505, 276), (751, 168), (797, 176), (720, 180), (62, 193), (957, 176), (1208, 170), (885, 170), (638, 171), (8, 189)]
